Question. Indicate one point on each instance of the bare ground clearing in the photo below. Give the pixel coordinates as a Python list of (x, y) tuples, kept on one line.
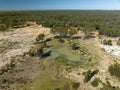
[(17, 41)]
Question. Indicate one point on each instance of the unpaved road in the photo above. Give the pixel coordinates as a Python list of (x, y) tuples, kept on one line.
[(105, 61), (17, 41)]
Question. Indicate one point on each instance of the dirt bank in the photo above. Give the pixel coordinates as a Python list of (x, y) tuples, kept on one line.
[(17, 41)]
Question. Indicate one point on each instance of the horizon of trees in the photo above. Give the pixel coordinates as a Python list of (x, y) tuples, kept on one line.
[(107, 22)]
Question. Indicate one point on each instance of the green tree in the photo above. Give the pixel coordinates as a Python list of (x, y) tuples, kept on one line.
[(3, 27), (87, 30), (75, 46), (95, 82), (61, 31), (72, 32), (107, 42), (40, 38)]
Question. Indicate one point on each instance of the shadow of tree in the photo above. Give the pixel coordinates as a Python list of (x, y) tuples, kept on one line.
[(47, 54)]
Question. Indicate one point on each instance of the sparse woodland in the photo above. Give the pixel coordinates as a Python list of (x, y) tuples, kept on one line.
[(107, 22)]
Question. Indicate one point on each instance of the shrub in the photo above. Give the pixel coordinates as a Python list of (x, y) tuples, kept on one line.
[(8, 67), (40, 37), (89, 75), (118, 42), (32, 52), (35, 51), (115, 70), (75, 85), (106, 87), (95, 82), (107, 42), (3, 27), (75, 46), (61, 40), (49, 39), (40, 52)]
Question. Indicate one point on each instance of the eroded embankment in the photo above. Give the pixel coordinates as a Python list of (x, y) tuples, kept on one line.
[(17, 41)]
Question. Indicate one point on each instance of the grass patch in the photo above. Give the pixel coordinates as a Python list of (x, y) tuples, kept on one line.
[(115, 70), (47, 81), (63, 54), (62, 60)]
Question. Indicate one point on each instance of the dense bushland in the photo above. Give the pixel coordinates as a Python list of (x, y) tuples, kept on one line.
[(107, 22)]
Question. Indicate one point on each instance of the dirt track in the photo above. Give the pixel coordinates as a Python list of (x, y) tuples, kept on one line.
[(17, 41)]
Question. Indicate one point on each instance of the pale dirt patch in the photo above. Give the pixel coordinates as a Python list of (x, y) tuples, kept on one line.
[(113, 50), (24, 36)]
